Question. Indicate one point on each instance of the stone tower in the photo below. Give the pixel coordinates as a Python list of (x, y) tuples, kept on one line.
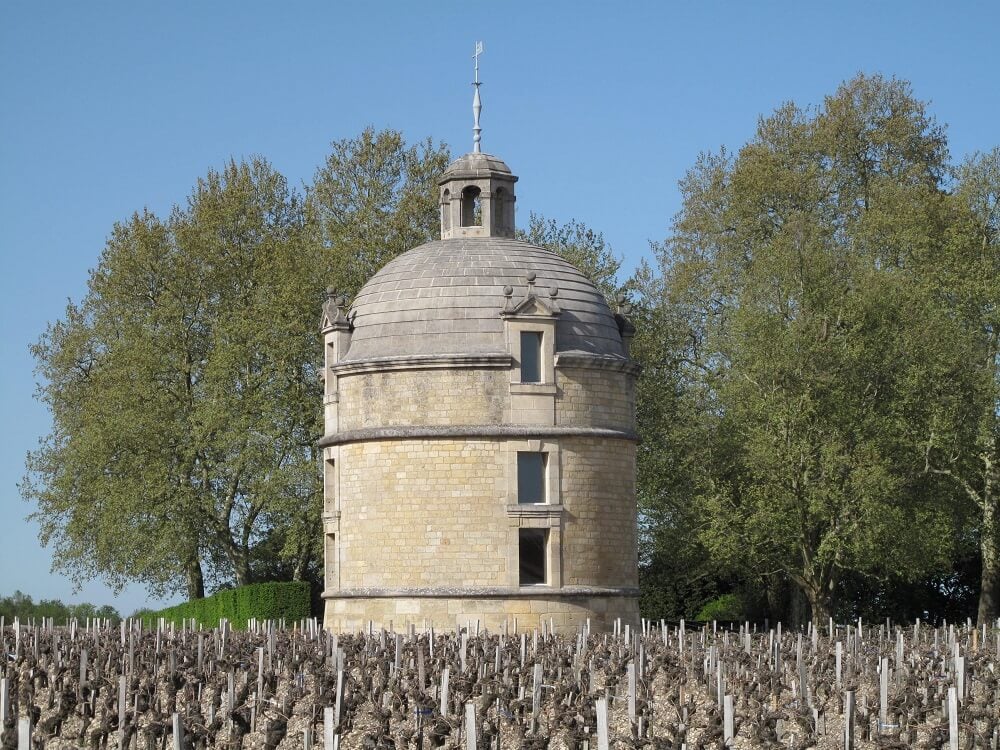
[(480, 439)]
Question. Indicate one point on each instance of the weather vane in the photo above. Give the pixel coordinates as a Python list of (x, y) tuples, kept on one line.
[(477, 105)]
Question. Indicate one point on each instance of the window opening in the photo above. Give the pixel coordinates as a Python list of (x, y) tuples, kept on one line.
[(331, 558), (531, 553), (472, 212), (530, 477), (329, 483), (531, 357)]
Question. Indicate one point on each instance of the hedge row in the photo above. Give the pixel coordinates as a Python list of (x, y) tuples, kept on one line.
[(263, 601)]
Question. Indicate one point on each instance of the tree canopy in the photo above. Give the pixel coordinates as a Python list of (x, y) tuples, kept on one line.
[(818, 334), (816, 348), (184, 387)]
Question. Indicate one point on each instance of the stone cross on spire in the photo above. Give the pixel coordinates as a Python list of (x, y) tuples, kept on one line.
[(477, 105)]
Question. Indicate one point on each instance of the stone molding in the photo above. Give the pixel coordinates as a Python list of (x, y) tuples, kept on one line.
[(416, 432), (481, 592), (423, 362), (586, 361), (498, 360), (546, 511), (533, 389)]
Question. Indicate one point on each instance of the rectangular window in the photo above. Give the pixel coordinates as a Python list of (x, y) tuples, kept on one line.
[(330, 484), (530, 477), (331, 560), (531, 357), (531, 551)]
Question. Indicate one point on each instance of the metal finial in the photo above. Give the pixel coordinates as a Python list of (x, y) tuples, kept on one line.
[(477, 105)]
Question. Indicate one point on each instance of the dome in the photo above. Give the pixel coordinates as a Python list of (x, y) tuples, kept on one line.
[(474, 165), (445, 297)]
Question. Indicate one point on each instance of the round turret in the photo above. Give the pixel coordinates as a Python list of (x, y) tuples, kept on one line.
[(479, 444)]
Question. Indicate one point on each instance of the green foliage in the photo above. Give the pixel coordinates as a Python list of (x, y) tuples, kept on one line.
[(21, 605), (581, 246), (264, 601), (970, 271), (725, 608), (373, 199), (183, 391), (184, 387), (807, 349)]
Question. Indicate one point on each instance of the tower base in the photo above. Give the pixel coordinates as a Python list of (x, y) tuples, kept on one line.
[(564, 611)]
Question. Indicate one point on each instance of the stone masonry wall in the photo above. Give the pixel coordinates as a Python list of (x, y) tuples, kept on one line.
[(440, 507), (595, 398), (418, 513), (432, 513), (566, 614), (599, 532), (423, 397)]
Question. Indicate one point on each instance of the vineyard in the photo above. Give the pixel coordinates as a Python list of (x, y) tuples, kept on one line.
[(89, 685)]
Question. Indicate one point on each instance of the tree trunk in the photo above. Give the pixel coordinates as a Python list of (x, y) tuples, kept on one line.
[(819, 596), (989, 592), (195, 580), (820, 606), (777, 597), (241, 568), (301, 564)]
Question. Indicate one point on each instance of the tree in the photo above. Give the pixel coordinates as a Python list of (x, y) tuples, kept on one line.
[(20, 605), (801, 274), (972, 266), (373, 199), (183, 391), (184, 387), (678, 574), (580, 245)]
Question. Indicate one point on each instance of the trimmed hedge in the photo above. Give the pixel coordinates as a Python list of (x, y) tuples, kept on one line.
[(263, 601)]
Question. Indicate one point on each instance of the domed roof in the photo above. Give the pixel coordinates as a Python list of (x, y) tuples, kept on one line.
[(445, 297), (474, 165)]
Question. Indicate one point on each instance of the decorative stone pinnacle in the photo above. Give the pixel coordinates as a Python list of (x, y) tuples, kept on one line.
[(477, 105), (333, 310)]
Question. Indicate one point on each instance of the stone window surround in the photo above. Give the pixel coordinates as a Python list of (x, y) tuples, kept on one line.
[(526, 472), (546, 325), (536, 515), (545, 534)]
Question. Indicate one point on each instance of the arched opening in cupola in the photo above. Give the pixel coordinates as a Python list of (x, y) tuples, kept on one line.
[(472, 210)]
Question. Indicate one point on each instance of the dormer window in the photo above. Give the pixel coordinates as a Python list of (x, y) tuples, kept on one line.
[(472, 210), (531, 356)]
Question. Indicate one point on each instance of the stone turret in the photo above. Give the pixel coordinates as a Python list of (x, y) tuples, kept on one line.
[(477, 198), (479, 447)]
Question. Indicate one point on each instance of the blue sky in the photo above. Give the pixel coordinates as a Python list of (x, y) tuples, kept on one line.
[(109, 107)]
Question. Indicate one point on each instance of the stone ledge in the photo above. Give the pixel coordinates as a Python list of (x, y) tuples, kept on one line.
[(587, 361), (481, 592), (423, 362), (533, 389), (414, 432), (534, 510)]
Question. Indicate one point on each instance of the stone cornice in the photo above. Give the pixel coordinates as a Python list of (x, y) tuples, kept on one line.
[(415, 432), (481, 592), (423, 362), (585, 360)]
